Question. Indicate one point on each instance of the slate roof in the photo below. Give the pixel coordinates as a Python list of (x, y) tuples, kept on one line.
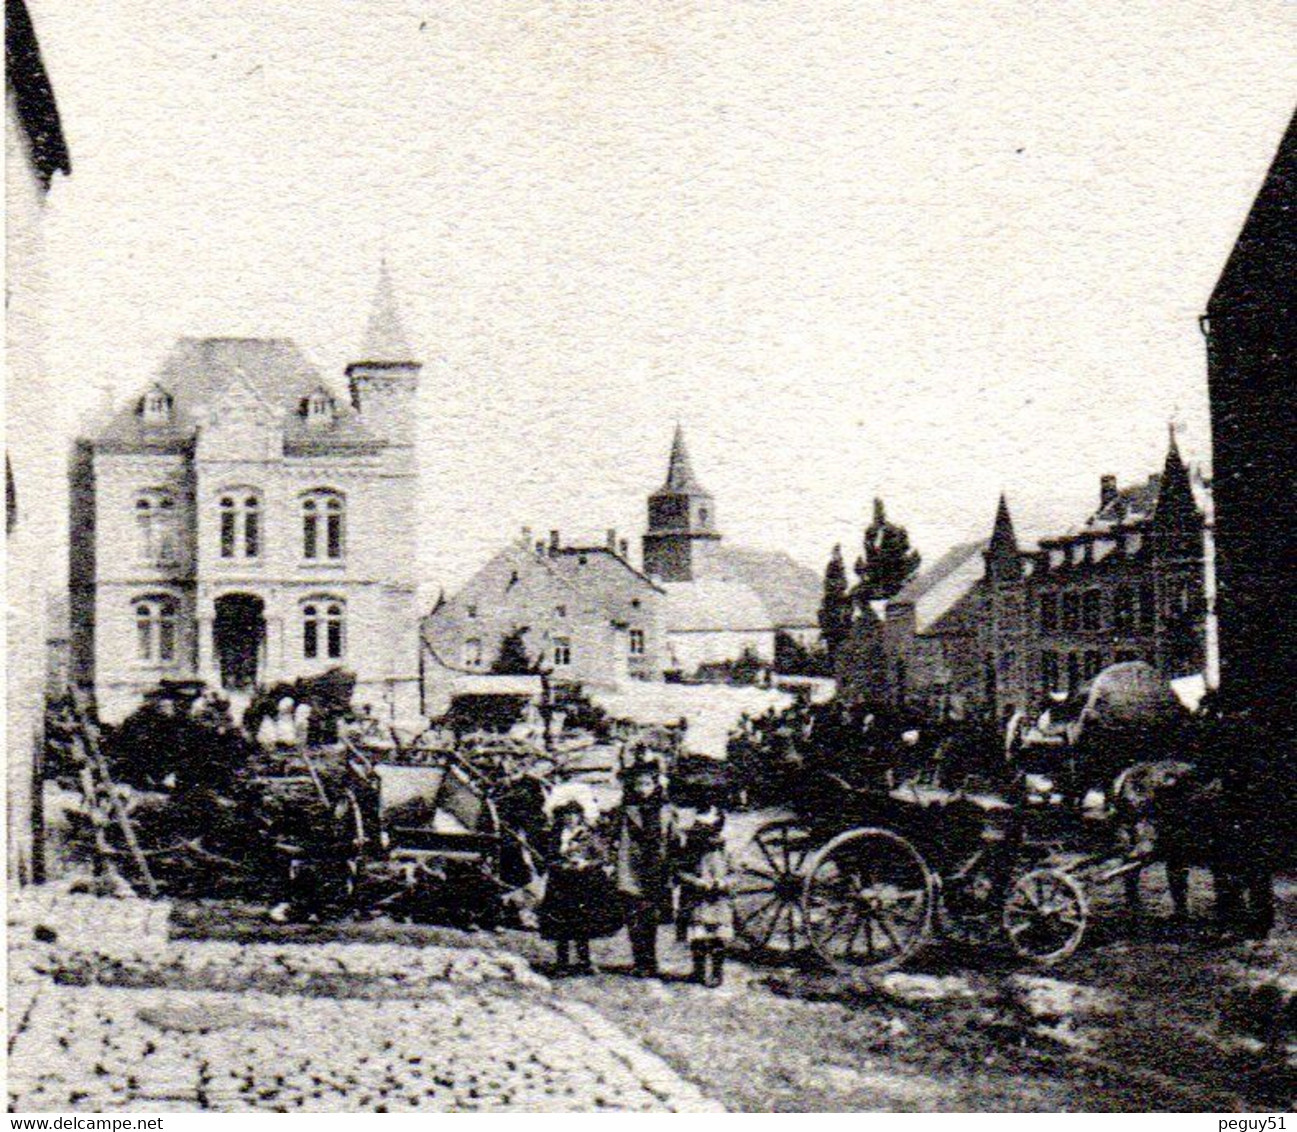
[(596, 566), (34, 102), (938, 590), (680, 473), (708, 605), (1261, 271), (199, 373), (790, 591), (385, 336)]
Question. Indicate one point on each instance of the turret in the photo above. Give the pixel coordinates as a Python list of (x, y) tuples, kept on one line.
[(1003, 559), (384, 382), (1177, 523)]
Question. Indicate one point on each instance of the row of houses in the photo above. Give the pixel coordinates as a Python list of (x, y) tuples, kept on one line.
[(992, 626)]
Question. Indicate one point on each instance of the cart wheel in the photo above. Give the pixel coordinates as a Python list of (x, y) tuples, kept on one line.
[(869, 900), (767, 889), (1045, 915)]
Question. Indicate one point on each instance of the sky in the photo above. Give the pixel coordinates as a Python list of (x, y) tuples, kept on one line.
[(929, 252)]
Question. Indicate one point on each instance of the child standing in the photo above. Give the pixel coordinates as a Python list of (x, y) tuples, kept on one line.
[(580, 902), (705, 902)]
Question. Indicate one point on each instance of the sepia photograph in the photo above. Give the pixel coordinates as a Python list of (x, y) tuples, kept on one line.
[(650, 556)]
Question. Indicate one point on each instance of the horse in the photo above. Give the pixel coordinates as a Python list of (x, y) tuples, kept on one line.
[(1171, 811)]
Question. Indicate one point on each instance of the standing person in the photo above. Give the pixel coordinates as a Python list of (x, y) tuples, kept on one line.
[(580, 903), (642, 859), (706, 905)]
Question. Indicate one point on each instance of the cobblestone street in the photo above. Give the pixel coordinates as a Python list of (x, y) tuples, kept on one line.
[(150, 1025)]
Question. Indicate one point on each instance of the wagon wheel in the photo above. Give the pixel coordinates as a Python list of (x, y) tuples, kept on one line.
[(869, 899), (1045, 915), (768, 889)]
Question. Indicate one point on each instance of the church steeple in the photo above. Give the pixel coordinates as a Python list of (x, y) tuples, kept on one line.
[(680, 473), (681, 520)]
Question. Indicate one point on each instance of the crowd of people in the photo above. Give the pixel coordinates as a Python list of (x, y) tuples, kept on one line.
[(637, 868)]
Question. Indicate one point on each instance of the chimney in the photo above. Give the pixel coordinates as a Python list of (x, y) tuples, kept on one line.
[(540, 549), (612, 540), (526, 537), (553, 542), (623, 548), (1107, 490)]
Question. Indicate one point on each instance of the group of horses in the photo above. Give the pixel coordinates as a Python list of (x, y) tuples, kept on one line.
[(1207, 789)]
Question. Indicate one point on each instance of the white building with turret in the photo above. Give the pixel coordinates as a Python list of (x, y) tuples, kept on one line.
[(242, 521)]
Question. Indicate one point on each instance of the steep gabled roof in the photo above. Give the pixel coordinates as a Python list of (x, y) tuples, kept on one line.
[(34, 102), (597, 565), (1261, 272), (711, 606), (200, 373), (790, 591), (937, 591)]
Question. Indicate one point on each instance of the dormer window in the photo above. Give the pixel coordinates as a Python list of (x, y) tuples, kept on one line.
[(318, 408), (155, 408)]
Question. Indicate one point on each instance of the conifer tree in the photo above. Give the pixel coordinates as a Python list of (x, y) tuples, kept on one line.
[(888, 562), (835, 608)]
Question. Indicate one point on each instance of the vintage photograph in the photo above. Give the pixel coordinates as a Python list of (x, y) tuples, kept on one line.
[(650, 556)]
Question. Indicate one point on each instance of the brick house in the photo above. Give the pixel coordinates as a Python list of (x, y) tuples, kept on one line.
[(238, 522), (1132, 583)]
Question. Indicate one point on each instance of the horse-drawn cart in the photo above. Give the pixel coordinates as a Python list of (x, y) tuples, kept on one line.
[(864, 878), (866, 888)]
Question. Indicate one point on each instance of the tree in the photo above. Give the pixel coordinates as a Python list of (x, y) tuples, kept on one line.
[(835, 608), (888, 562), (513, 658)]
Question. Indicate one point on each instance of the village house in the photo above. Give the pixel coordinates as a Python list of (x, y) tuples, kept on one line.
[(585, 616), (1132, 583), (1251, 334), (238, 523), (991, 627), (35, 152)]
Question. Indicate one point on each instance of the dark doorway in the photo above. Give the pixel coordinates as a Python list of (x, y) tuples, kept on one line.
[(239, 639)]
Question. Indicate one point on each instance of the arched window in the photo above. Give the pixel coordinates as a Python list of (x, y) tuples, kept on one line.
[(240, 524), (323, 515), (155, 629), (155, 407), (323, 628), (155, 521), (318, 408)]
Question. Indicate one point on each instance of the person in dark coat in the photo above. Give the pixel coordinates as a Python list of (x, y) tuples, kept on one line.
[(580, 902), (641, 865)]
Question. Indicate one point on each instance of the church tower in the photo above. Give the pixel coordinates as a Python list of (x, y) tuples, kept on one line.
[(682, 530), (384, 381)]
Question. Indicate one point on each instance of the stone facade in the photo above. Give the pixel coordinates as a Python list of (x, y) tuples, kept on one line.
[(238, 523), (590, 618)]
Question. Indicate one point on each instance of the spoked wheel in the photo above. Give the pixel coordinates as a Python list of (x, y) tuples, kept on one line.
[(768, 889), (869, 900), (1045, 915)]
